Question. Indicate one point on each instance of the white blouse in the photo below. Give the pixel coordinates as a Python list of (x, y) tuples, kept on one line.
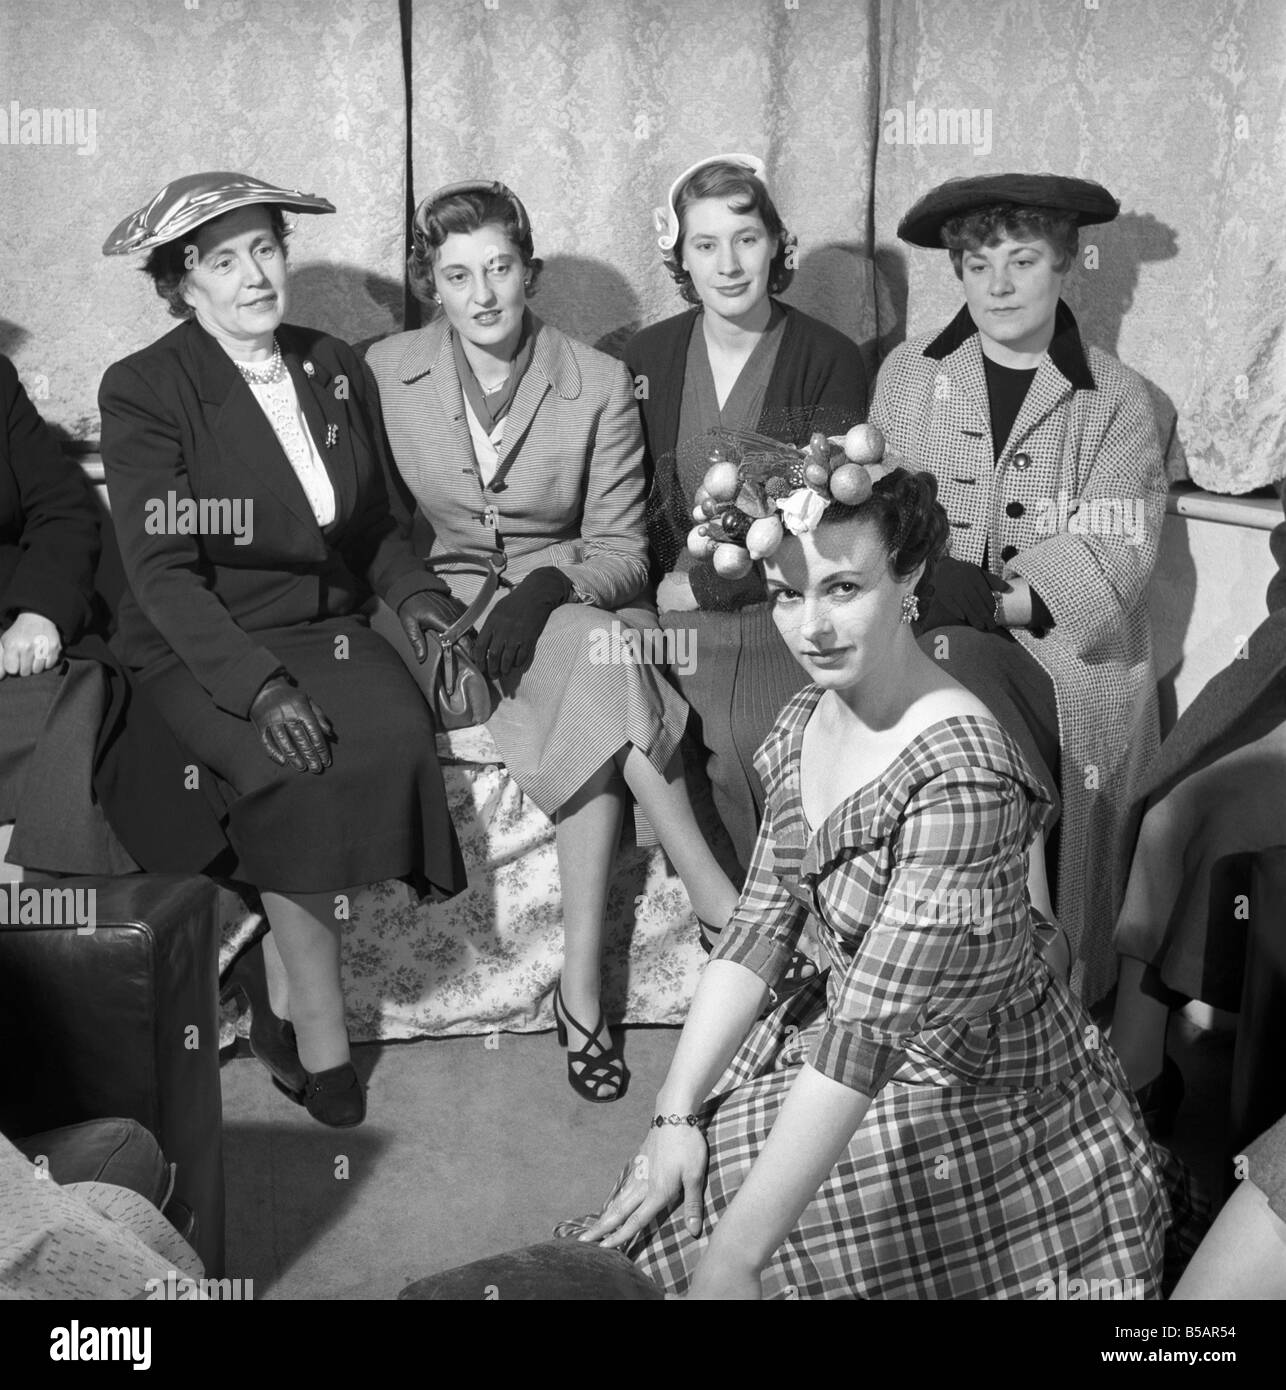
[(280, 403)]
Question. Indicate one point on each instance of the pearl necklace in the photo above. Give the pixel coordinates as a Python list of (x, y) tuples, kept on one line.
[(270, 375)]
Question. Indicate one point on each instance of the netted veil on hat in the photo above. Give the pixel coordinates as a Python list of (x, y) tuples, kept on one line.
[(185, 203)]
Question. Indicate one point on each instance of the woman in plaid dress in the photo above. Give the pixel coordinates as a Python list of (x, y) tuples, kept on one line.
[(937, 1117)]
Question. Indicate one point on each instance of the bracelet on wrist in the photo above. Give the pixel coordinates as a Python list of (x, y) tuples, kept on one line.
[(696, 1122)]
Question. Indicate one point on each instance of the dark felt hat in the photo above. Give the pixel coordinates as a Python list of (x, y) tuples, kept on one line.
[(1090, 201), (187, 202)]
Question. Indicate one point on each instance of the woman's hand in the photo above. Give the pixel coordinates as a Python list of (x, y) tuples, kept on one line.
[(674, 593), (29, 646), (429, 611), (671, 1163), (959, 595), (292, 728), (507, 643)]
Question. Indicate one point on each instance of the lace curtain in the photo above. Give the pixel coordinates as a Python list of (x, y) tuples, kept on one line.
[(589, 108)]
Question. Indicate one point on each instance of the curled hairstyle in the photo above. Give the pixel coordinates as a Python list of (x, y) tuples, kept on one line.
[(744, 193), (990, 226), (167, 266), (913, 525), (465, 212)]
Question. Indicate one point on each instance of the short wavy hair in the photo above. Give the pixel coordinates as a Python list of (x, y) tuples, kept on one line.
[(167, 266), (463, 213), (990, 226), (744, 193), (913, 524)]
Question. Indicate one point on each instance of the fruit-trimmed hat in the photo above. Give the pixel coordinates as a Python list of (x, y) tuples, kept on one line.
[(1090, 201), (756, 489), (187, 202)]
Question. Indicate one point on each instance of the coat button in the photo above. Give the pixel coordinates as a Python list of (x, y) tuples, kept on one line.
[(1009, 552), (1022, 462), (1015, 509)]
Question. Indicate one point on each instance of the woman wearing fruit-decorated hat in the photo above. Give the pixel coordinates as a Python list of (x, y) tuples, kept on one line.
[(244, 464), (737, 359), (802, 1156), (512, 438), (1046, 455)]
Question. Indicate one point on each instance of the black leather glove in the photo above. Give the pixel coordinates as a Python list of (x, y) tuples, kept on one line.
[(433, 610), (292, 728), (507, 642), (959, 595)]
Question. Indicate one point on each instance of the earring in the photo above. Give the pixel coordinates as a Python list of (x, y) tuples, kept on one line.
[(910, 608)]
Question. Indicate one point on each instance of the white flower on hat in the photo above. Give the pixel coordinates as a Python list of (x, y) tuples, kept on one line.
[(801, 510)]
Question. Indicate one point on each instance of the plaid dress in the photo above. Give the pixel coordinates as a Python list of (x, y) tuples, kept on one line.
[(1002, 1155)]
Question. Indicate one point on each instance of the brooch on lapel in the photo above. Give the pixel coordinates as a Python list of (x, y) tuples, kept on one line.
[(332, 434), (309, 369)]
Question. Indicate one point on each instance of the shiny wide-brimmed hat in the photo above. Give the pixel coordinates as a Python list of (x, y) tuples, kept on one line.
[(667, 218), (187, 202), (1090, 201)]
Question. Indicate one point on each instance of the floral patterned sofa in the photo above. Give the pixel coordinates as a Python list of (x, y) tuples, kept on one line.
[(488, 959)]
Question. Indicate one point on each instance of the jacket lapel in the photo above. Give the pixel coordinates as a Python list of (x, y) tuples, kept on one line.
[(245, 436), (1048, 390), (553, 367)]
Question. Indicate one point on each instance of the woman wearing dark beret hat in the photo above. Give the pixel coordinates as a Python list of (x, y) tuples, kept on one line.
[(244, 465), (1047, 458)]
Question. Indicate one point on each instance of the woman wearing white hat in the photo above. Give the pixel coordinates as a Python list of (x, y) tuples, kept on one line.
[(243, 461), (737, 359)]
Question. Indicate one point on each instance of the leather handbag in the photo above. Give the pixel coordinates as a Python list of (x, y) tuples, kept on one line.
[(461, 694)]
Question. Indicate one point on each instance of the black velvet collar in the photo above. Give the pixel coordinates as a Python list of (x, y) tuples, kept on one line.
[(1066, 351)]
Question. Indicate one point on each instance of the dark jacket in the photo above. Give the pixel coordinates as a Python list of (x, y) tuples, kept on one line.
[(49, 520), (178, 418), (1236, 707), (819, 375)]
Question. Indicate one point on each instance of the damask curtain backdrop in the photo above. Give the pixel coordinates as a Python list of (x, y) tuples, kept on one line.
[(308, 95), (589, 108), (1179, 107)]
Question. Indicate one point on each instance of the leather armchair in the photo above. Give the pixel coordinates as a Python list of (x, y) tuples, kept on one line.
[(122, 1021)]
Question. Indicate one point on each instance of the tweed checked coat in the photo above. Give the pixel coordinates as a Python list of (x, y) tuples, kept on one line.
[(568, 491), (1074, 505), (568, 487)]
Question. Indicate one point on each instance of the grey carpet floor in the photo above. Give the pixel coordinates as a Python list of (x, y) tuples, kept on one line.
[(467, 1150), (470, 1150)]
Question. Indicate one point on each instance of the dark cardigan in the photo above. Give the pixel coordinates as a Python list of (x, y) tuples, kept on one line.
[(819, 373), (49, 524)]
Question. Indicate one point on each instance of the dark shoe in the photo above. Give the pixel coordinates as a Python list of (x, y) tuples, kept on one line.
[(272, 1039), (592, 1066), (707, 935), (335, 1096), (1161, 1098)]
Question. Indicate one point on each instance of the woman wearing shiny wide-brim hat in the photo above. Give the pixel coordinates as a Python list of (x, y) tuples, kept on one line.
[(244, 469), (1046, 455)]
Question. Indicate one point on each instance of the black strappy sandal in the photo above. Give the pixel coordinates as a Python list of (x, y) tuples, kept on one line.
[(599, 1065)]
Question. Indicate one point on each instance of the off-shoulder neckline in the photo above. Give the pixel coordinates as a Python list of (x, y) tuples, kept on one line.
[(813, 694)]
